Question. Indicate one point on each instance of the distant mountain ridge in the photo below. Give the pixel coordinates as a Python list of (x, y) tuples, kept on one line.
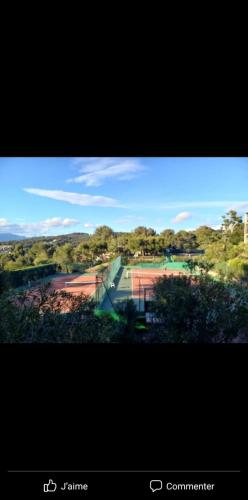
[(10, 237), (73, 238)]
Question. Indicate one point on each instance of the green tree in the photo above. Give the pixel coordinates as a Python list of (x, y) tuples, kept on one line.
[(81, 252), (18, 250), (150, 232), (38, 319), (186, 240), (231, 227), (192, 265), (144, 231), (38, 253), (204, 266), (217, 252), (231, 220), (19, 263), (103, 233), (112, 245), (142, 245), (133, 243), (151, 245), (168, 236), (202, 311), (97, 247), (63, 255), (4, 259), (130, 315), (206, 235), (239, 268)]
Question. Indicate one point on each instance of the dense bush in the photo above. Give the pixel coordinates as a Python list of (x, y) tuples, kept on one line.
[(201, 310), (188, 310), (4, 281), (38, 319), (14, 279), (239, 268)]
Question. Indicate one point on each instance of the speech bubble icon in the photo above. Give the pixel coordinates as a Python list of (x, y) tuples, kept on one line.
[(156, 485)]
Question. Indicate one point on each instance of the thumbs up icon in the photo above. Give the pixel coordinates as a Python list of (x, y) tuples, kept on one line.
[(50, 486)]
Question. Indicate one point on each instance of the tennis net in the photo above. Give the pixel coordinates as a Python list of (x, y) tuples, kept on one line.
[(80, 283)]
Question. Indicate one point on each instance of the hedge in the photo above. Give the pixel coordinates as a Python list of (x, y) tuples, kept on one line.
[(20, 277)]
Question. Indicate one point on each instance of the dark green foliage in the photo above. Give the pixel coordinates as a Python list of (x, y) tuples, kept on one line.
[(14, 279), (239, 268), (4, 281), (124, 260), (206, 235), (40, 320), (188, 312), (75, 267), (103, 232), (199, 266), (186, 240), (132, 332), (144, 231), (200, 311)]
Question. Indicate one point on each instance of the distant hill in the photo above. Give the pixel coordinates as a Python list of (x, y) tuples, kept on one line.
[(73, 238), (10, 237)]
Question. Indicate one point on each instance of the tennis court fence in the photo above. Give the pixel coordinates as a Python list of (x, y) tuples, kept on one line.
[(105, 278)]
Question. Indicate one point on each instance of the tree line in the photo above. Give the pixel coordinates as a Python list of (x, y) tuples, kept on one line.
[(224, 248)]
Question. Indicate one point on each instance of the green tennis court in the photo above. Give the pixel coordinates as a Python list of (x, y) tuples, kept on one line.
[(166, 264)]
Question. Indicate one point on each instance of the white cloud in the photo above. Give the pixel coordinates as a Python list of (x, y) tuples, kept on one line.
[(75, 198), (96, 170), (58, 221), (41, 227), (90, 225), (181, 217), (104, 201), (3, 222)]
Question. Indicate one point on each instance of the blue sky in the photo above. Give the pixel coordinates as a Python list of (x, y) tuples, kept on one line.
[(49, 196)]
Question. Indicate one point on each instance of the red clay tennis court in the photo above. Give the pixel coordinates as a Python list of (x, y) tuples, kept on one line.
[(75, 284), (70, 283), (143, 280)]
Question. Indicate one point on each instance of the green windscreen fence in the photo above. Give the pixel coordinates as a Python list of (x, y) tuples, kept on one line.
[(167, 264), (105, 278), (149, 265), (177, 266)]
